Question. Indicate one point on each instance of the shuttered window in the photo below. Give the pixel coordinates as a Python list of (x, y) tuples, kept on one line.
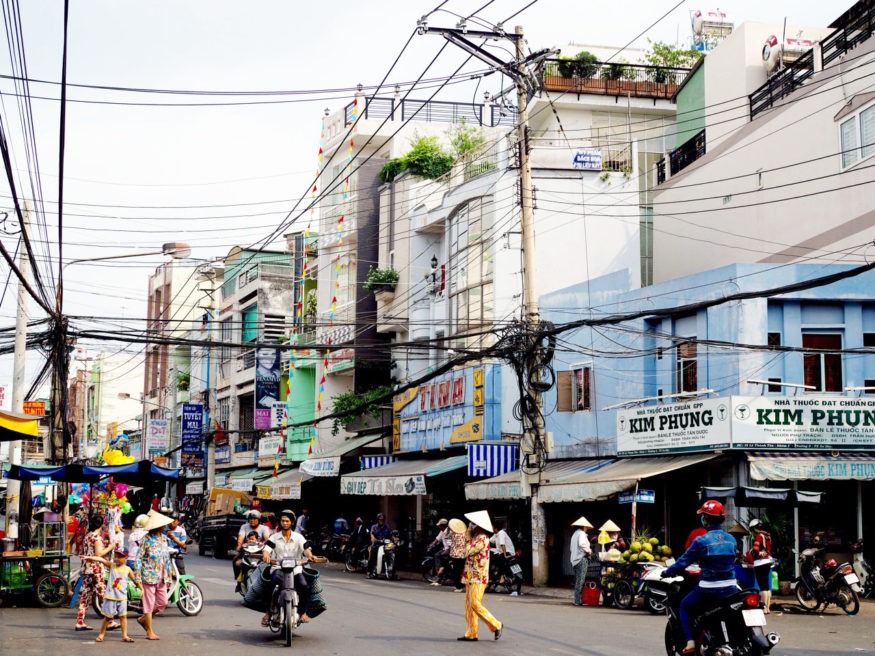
[(250, 323), (564, 402)]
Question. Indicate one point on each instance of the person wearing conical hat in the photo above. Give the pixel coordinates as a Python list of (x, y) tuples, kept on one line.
[(154, 569), (476, 575), (580, 554), (612, 538)]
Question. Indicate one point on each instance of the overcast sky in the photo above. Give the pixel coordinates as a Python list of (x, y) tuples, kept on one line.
[(139, 174)]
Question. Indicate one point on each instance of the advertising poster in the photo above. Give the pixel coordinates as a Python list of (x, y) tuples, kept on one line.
[(700, 425), (267, 385), (157, 437)]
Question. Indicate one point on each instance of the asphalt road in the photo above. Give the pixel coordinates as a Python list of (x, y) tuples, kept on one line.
[(405, 617)]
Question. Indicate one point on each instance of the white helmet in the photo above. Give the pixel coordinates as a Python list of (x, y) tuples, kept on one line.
[(253, 513), (141, 521)]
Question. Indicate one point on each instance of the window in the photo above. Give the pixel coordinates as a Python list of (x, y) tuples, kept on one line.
[(869, 340), (687, 368), (869, 384), (574, 389), (857, 136), (823, 371), (470, 271), (774, 339), (226, 335), (250, 323), (777, 386)]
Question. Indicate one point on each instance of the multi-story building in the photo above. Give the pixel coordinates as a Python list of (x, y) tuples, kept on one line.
[(254, 309)]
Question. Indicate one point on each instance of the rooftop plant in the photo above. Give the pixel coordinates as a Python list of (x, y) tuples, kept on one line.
[(381, 280)]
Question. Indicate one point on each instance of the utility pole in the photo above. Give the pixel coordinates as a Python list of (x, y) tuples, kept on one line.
[(532, 445), (13, 489)]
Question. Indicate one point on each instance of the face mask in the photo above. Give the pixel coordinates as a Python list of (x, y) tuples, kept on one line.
[(703, 521)]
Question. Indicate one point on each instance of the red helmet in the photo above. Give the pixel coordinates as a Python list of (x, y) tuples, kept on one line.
[(712, 509)]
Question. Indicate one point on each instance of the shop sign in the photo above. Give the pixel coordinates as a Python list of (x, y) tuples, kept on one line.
[(196, 487), (285, 491), (812, 469), (804, 422), (157, 437), (701, 425), (321, 466), (383, 485), (242, 484), (457, 407), (34, 408), (243, 458), (268, 448), (340, 360), (262, 491), (643, 496), (223, 454)]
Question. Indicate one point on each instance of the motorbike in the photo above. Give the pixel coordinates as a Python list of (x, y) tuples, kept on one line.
[(183, 592), (283, 608), (334, 546), (191, 522), (429, 567), (509, 568), (823, 583), (649, 586), (734, 626), (250, 556), (357, 559), (386, 557), (863, 570)]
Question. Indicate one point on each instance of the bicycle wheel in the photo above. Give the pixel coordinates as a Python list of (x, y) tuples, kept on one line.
[(807, 600), (288, 622), (50, 589), (624, 595), (191, 598)]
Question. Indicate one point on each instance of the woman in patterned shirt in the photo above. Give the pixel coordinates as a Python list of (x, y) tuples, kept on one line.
[(476, 576), (93, 572), (154, 569)]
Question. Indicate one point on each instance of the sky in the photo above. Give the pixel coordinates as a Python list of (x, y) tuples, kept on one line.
[(139, 173)]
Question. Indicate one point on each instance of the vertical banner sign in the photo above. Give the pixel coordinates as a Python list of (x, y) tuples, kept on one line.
[(267, 385), (192, 427), (157, 434)]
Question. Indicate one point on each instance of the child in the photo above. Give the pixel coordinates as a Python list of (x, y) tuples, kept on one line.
[(252, 537), (115, 602)]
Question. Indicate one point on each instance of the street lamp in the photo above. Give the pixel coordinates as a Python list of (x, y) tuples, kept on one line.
[(175, 249)]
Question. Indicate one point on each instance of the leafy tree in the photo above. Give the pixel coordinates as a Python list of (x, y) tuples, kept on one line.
[(428, 159), (665, 54), (464, 138), (357, 404)]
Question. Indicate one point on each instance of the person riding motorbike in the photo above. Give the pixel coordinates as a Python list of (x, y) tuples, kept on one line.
[(715, 552), (177, 539), (253, 524), (288, 544), (379, 532), (502, 549), (444, 539)]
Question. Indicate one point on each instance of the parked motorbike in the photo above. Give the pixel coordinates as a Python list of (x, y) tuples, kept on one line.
[(183, 592), (357, 559), (510, 569), (191, 521), (387, 553), (734, 626), (823, 583), (649, 586), (863, 570), (335, 547), (250, 557), (429, 566)]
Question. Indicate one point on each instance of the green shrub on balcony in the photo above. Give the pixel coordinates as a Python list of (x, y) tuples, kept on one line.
[(618, 71), (426, 159), (584, 64), (354, 405), (381, 280)]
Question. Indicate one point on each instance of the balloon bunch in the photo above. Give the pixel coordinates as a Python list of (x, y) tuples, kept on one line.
[(116, 457)]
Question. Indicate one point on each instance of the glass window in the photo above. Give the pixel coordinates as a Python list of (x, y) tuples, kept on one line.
[(581, 389), (250, 323), (850, 154), (823, 371), (867, 131), (226, 335), (687, 368), (470, 272)]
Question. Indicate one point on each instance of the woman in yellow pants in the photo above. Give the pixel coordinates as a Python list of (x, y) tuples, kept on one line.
[(476, 576)]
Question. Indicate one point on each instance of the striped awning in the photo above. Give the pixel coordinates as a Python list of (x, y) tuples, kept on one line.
[(811, 466), (370, 462), (492, 459)]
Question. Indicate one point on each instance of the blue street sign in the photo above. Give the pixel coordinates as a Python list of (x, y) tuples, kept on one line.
[(644, 496)]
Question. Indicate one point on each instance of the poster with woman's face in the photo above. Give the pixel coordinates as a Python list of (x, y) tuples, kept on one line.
[(267, 385)]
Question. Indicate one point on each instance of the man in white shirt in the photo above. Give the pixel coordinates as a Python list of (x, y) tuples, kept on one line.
[(502, 548), (580, 553)]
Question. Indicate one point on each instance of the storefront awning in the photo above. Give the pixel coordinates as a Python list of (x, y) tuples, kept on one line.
[(327, 462), (286, 485), (14, 426), (242, 479), (617, 476), (492, 459), (405, 477), (760, 497), (811, 466), (509, 486)]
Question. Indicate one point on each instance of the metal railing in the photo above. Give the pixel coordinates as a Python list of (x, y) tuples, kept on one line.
[(782, 84), (429, 111), (687, 153), (859, 27), (617, 79), (660, 171)]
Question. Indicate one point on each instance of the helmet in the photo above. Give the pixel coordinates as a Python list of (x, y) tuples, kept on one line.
[(141, 521), (380, 516), (174, 515), (712, 509), (288, 513), (253, 514), (754, 523), (442, 522)]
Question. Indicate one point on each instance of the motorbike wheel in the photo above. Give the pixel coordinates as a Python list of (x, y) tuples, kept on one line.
[(624, 595), (350, 562), (50, 589), (670, 646), (808, 601), (847, 599), (97, 604), (288, 621), (654, 605), (191, 599)]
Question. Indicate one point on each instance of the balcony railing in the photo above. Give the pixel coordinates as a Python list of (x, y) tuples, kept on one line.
[(660, 171), (858, 24), (687, 153), (616, 79), (430, 111)]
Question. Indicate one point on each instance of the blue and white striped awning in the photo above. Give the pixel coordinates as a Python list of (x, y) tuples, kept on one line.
[(370, 462), (492, 459)]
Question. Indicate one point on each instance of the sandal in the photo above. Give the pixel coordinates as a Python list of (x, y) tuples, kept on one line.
[(84, 627), (113, 626), (265, 621), (98, 639)]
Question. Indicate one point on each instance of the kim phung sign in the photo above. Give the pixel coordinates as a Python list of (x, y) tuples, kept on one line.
[(700, 425)]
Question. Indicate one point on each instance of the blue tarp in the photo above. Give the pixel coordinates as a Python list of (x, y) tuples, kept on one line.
[(135, 473)]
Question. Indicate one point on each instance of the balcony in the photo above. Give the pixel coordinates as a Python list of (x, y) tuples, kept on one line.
[(782, 84), (429, 111), (605, 79)]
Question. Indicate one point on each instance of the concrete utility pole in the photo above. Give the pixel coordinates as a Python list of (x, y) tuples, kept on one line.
[(533, 440)]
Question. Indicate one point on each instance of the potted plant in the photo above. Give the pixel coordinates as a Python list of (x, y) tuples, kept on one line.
[(381, 280), (583, 65)]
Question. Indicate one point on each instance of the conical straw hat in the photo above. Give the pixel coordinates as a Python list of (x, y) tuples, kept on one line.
[(582, 522), (457, 525), (481, 518), (609, 526), (157, 520)]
